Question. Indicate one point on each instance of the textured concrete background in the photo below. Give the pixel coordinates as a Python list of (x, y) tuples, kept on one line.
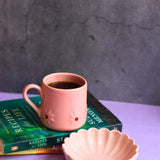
[(114, 44)]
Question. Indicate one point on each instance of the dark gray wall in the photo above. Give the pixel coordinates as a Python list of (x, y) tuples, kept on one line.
[(114, 44)]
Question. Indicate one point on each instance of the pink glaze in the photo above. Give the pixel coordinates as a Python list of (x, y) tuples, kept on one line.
[(99, 144), (61, 109)]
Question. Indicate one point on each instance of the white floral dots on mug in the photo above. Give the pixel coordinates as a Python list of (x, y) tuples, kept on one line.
[(76, 118), (62, 108), (48, 116)]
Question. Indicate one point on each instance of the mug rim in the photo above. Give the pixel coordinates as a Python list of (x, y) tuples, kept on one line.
[(64, 73)]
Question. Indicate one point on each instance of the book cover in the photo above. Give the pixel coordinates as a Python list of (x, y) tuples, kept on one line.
[(21, 128)]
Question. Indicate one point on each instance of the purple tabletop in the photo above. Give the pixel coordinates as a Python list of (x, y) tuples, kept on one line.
[(141, 122)]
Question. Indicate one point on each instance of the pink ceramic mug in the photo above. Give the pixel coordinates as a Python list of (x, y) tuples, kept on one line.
[(63, 108)]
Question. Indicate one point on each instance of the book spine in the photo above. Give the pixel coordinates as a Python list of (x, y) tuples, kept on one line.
[(40, 144), (113, 121), (42, 150)]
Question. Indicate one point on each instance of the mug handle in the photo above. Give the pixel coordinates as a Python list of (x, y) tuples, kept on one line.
[(25, 90)]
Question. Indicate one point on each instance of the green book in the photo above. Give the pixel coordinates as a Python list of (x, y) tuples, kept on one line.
[(21, 128)]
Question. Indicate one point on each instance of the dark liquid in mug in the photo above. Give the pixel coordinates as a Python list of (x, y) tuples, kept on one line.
[(64, 85)]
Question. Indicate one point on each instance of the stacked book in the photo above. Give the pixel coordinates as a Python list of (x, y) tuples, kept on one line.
[(21, 131)]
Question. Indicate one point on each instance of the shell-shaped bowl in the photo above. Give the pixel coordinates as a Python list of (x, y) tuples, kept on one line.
[(102, 144)]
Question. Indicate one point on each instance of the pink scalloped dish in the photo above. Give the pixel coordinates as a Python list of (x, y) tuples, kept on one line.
[(102, 144)]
